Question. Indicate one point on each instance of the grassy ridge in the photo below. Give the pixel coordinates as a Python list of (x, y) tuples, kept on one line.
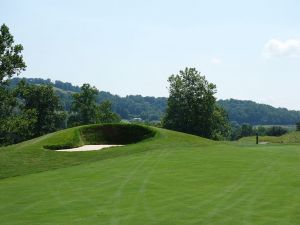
[(31, 156)]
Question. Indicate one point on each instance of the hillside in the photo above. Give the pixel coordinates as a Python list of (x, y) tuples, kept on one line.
[(258, 114), (131, 106), (171, 178), (152, 109)]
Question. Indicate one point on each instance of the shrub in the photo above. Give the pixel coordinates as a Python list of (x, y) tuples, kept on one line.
[(276, 131)]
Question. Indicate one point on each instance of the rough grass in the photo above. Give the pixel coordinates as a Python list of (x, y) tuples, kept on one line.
[(172, 178), (289, 138)]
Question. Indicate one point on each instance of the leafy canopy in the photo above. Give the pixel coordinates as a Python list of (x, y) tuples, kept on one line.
[(87, 111), (84, 104), (105, 113), (43, 101), (11, 63), (11, 60), (192, 106)]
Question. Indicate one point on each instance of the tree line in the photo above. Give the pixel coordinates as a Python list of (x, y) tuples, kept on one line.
[(249, 112), (246, 130), (153, 108), (150, 109)]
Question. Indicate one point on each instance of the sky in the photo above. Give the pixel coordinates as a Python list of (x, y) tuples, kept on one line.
[(249, 49)]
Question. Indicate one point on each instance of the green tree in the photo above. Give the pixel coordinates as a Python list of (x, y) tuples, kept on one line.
[(7, 102), (18, 127), (84, 106), (246, 130), (105, 113), (261, 131), (192, 105), (11, 63), (41, 99), (235, 131), (11, 60), (221, 127), (298, 126), (276, 131)]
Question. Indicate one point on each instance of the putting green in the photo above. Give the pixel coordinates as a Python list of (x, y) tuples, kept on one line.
[(172, 178)]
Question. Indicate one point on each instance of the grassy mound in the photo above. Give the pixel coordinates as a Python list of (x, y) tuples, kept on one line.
[(34, 155), (103, 134)]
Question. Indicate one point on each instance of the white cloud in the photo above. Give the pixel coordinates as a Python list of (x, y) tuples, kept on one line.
[(215, 61), (278, 48)]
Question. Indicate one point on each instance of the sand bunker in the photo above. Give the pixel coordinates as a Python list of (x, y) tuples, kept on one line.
[(263, 143), (87, 148)]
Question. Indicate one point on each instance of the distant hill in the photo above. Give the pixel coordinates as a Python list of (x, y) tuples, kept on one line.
[(258, 114), (129, 107), (152, 109)]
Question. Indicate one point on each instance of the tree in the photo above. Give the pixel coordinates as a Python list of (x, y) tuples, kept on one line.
[(192, 106), (7, 102), (298, 126), (221, 127), (84, 105), (246, 130), (276, 131), (11, 63), (41, 99), (87, 111), (17, 128), (11, 60), (105, 114)]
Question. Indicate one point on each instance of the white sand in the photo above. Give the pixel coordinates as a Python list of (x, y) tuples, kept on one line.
[(87, 148), (263, 143)]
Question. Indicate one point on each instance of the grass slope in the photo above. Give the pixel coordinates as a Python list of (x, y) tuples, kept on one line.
[(172, 178), (32, 156)]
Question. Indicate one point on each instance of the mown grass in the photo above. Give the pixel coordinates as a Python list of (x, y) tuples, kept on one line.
[(172, 178)]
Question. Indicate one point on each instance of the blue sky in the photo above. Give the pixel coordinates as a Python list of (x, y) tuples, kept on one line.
[(249, 49)]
